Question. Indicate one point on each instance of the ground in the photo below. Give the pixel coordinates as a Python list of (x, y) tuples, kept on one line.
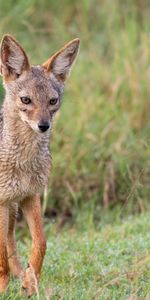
[(106, 261)]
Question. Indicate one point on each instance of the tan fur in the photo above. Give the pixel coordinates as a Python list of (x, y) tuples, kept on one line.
[(24, 150)]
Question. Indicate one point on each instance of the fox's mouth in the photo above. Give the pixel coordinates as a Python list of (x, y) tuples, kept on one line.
[(41, 127)]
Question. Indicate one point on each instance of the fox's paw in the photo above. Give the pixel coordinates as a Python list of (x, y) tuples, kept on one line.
[(4, 280), (30, 283)]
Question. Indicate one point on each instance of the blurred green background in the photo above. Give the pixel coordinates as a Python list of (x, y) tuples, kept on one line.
[(101, 137)]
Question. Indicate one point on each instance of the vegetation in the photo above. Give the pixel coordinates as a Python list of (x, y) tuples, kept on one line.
[(107, 262), (101, 153), (100, 144)]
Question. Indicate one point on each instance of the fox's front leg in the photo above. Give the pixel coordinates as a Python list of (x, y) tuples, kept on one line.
[(13, 258), (32, 211), (4, 267)]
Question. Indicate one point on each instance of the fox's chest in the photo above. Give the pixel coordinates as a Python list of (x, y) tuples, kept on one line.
[(22, 177)]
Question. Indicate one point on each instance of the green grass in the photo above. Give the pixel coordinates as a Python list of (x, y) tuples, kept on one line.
[(107, 261)]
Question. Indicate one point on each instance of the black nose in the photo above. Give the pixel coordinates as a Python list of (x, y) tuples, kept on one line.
[(43, 126)]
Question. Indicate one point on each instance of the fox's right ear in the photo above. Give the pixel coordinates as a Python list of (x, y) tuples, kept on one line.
[(13, 59)]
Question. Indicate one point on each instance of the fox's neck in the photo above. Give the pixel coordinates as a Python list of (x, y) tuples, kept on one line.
[(19, 134)]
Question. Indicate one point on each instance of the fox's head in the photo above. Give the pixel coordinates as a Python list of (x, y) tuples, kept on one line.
[(35, 91)]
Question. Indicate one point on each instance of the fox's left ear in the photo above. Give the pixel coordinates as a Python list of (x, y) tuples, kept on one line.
[(60, 63)]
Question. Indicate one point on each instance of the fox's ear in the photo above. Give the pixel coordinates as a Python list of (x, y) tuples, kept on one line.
[(60, 63), (13, 58)]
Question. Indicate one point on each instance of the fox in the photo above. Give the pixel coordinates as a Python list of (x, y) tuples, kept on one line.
[(33, 94)]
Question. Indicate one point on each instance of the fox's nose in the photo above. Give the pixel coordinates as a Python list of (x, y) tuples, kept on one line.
[(43, 126)]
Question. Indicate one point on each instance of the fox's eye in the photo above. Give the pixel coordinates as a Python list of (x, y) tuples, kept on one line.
[(25, 100), (53, 101)]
